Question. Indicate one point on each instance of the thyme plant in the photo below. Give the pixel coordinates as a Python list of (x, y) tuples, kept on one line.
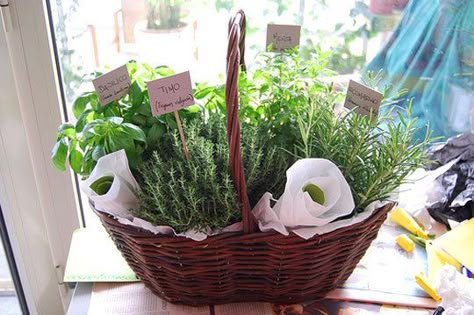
[(198, 193)]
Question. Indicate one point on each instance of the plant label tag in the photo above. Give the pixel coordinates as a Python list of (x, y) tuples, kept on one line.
[(112, 85), (171, 93), (283, 37), (365, 100)]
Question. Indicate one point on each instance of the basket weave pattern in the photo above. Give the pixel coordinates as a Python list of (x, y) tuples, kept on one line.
[(237, 267), (248, 266)]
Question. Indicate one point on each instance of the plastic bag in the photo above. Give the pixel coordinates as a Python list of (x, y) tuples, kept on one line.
[(431, 54), (455, 201)]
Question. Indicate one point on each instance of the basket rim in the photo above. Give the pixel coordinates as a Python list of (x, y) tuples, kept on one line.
[(112, 220)]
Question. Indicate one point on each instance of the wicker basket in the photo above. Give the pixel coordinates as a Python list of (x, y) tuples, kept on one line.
[(248, 266)]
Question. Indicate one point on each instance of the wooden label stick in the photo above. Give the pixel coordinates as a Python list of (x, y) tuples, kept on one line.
[(169, 95), (181, 134), (119, 110)]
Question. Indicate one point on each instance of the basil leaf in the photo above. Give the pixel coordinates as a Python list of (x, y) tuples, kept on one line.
[(80, 104), (75, 159), (139, 119), (203, 92), (92, 124), (95, 102), (66, 130), (164, 71), (59, 154), (98, 152), (134, 131), (171, 121), (119, 141), (155, 133), (136, 94), (115, 120), (84, 119), (144, 109), (88, 162)]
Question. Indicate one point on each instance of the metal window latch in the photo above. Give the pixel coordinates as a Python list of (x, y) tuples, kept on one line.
[(6, 17)]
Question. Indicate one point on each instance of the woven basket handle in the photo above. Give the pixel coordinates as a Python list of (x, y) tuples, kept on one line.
[(235, 60)]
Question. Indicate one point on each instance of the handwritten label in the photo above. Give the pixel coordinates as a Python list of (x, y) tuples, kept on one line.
[(171, 93), (112, 85), (364, 99), (283, 37)]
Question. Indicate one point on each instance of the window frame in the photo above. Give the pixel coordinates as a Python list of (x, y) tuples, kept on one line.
[(39, 203)]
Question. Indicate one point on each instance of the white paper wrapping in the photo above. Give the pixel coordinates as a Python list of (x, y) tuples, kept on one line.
[(296, 212), (456, 291), (121, 197)]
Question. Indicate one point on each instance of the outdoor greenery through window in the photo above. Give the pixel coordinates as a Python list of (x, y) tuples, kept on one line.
[(192, 34)]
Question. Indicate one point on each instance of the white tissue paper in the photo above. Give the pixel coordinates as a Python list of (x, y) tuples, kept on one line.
[(296, 211), (456, 291), (121, 197)]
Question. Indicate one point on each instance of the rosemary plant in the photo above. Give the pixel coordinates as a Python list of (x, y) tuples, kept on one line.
[(292, 104), (375, 156)]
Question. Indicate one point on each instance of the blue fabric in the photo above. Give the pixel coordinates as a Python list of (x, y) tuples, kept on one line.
[(431, 53)]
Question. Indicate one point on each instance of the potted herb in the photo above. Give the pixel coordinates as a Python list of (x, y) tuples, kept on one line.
[(163, 14), (164, 37), (100, 130)]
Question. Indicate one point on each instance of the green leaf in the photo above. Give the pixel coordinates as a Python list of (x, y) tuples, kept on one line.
[(66, 130), (88, 162), (115, 120), (136, 94), (98, 152), (150, 121), (164, 71), (139, 119), (118, 141), (92, 124), (144, 109), (204, 92), (75, 159), (135, 132), (80, 103), (84, 119), (59, 154), (95, 103), (155, 133), (171, 121)]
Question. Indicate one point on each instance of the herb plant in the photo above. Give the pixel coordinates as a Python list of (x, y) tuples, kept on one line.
[(287, 112), (374, 160), (189, 194), (99, 130), (198, 193), (292, 100)]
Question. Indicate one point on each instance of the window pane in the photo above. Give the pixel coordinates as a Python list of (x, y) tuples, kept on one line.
[(192, 35), (8, 300)]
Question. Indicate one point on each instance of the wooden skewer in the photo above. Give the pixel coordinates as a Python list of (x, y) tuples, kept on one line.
[(181, 134)]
